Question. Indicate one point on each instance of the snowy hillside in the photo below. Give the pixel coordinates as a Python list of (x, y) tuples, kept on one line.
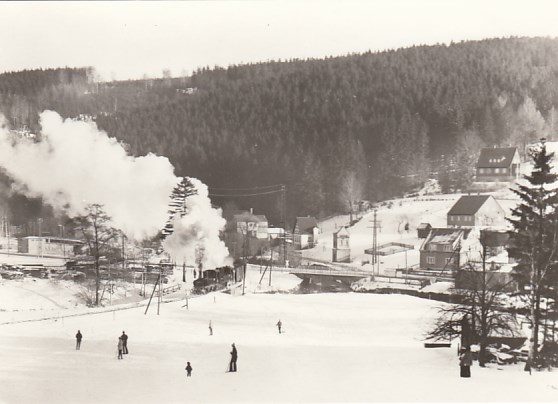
[(377, 339)]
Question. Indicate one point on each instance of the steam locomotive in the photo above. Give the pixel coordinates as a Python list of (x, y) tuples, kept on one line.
[(220, 278)]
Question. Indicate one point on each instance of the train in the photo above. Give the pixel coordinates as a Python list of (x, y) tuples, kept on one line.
[(220, 278)]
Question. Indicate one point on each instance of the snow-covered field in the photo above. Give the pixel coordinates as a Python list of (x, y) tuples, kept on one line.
[(336, 348)]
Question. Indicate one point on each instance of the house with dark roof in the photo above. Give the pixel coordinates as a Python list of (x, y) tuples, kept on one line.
[(305, 232), (423, 230), (498, 164), (476, 210), (446, 249)]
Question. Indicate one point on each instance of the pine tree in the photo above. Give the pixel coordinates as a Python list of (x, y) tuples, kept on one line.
[(534, 235), (177, 205)]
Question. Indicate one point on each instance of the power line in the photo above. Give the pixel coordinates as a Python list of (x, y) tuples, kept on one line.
[(246, 189), (244, 195)]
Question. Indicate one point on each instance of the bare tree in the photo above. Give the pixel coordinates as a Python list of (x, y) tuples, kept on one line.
[(94, 227), (477, 316), (351, 192)]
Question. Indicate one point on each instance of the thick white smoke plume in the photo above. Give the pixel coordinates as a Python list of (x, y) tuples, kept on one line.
[(75, 164), (196, 235)]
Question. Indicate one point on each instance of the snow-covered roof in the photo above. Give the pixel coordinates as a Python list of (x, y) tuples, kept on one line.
[(446, 236), (247, 216)]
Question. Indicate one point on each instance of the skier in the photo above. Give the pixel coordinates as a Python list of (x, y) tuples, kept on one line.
[(279, 323), (465, 362), (120, 347), (78, 340), (124, 343), (234, 356), (188, 369), (210, 328)]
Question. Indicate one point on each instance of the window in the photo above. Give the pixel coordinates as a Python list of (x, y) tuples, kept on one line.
[(504, 170), (481, 170), (432, 247), (430, 259), (449, 261), (447, 247), (496, 171)]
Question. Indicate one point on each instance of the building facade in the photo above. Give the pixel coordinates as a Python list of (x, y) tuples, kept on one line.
[(48, 246), (305, 232), (476, 210), (341, 246), (498, 164)]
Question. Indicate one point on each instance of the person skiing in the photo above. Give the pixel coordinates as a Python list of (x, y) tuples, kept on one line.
[(465, 362), (279, 324), (234, 356), (78, 340), (188, 369), (120, 347), (124, 343), (210, 328)]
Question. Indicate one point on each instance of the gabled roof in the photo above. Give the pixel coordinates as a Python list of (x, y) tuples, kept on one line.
[(341, 230), (249, 217), (499, 157), (445, 236), (468, 204), (306, 224)]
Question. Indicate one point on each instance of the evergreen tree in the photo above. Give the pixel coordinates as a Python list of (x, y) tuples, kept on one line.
[(177, 204), (533, 239)]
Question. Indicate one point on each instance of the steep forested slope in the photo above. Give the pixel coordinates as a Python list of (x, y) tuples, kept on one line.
[(364, 126)]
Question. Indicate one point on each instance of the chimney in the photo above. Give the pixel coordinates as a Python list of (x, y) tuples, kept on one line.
[(251, 211)]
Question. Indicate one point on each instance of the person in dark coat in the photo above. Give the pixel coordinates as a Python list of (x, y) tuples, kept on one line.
[(78, 340), (120, 347), (125, 343), (188, 369), (210, 328), (465, 362), (279, 324), (234, 356)]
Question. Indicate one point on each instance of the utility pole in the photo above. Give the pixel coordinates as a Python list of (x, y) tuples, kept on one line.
[(284, 221), (245, 259), (160, 291), (376, 224)]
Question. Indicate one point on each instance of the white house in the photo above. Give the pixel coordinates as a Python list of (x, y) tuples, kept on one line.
[(476, 210), (48, 246)]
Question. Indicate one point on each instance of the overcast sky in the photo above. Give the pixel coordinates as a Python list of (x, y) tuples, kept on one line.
[(129, 39)]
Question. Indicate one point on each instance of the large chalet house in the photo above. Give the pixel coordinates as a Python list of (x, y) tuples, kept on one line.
[(476, 210), (305, 232), (498, 164)]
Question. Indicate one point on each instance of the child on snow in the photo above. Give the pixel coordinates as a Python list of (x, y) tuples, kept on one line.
[(188, 369)]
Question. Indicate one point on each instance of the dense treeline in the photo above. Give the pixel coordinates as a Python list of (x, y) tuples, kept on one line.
[(335, 131)]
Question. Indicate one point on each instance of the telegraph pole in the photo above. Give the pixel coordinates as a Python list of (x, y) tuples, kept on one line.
[(284, 220), (376, 224)]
